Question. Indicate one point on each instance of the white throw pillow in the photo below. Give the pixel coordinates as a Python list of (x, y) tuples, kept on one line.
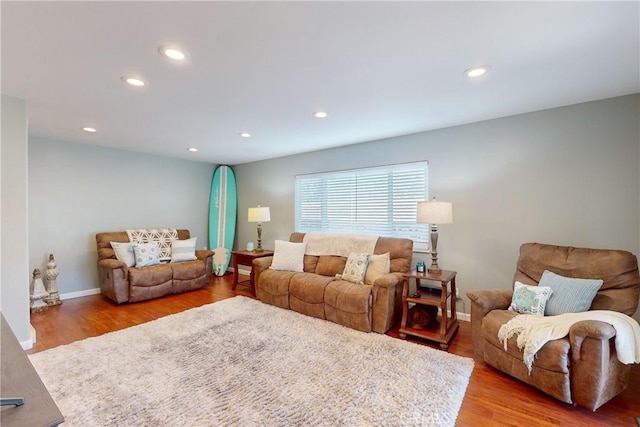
[(379, 265), (124, 253), (355, 268), (146, 254), (530, 299), (183, 250), (288, 256)]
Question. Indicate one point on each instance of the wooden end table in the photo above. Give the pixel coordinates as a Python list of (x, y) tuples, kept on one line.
[(434, 297), (246, 258)]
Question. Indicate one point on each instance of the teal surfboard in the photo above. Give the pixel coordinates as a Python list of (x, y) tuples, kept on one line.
[(223, 208)]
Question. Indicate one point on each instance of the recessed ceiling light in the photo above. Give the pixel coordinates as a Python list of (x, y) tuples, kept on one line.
[(477, 71), (320, 114), (245, 135), (192, 149), (172, 52), (89, 129), (133, 80)]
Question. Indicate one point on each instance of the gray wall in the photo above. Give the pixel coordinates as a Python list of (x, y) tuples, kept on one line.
[(566, 176), (14, 230), (77, 190)]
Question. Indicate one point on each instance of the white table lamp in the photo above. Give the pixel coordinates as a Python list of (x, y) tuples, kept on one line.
[(434, 212), (259, 215)]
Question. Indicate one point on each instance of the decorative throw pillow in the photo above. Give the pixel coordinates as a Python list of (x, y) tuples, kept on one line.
[(569, 295), (146, 254), (378, 266), (183, 250), (288, 256), (355, 268), (529, 299), (124, 253)]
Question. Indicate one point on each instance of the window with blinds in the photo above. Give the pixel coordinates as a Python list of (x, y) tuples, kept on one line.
[(378, 200)]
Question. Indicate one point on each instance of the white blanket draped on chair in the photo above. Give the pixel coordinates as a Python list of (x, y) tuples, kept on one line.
[(534, 332)]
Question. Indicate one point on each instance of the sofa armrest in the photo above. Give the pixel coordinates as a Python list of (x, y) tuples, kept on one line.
[(259, 265), (386, 304), (490, 299), (203, 254), (389, 279), (112, 264)]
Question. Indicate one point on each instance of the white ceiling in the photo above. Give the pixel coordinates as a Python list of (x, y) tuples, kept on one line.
[(380, 69)]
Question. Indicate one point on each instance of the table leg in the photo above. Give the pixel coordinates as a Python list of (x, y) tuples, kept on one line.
[(235, 273)]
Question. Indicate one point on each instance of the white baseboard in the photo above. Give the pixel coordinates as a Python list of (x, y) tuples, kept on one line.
[(78, 294)]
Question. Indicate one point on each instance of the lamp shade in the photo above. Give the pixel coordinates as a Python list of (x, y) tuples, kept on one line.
[(435, 212), (259, 214)]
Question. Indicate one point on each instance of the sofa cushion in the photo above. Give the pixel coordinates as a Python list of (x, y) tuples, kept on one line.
[(273, 287), (150, 276), (570, 295), (348, 304), (330, 265), (188, 270), (553, 356), (306, 294)]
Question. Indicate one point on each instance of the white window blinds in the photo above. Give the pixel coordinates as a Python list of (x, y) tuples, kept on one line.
[(379, 200)]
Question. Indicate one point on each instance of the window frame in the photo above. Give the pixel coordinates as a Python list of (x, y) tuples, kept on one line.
[(355, 185)]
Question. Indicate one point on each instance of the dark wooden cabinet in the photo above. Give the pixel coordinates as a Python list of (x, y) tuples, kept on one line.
[(19, 379)]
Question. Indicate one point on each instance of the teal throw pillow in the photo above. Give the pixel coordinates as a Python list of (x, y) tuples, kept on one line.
[(529, 299)]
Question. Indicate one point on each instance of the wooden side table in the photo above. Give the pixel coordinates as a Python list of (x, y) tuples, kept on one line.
[(434, 297), (246, 258)]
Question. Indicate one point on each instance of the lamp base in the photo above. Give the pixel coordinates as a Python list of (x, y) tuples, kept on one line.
[(437, 270)]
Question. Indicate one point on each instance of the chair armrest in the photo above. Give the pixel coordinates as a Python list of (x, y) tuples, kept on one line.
[(203, 254), (259, 265), (491, 299), (588, 329)]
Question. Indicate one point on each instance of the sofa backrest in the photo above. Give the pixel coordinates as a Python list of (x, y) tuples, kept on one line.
[(103, 240), (400, 252), (618, 269)]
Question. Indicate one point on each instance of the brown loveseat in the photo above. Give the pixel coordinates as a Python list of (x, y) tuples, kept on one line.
[(129, 284), (317, 292), (581, 368)]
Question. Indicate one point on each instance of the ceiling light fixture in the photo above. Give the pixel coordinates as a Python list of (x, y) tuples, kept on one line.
[(192, 149), (245, 135), (89, 129), (172, 52), (477, 71), (133, 81), (320, 114)]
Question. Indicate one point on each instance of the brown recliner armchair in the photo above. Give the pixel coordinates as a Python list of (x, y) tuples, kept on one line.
[(581, 368)]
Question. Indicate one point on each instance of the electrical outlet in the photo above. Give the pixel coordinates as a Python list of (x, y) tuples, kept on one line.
[(457, 293)]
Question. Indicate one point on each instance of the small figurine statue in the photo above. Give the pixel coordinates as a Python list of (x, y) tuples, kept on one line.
[(50, 277), (38, 293)]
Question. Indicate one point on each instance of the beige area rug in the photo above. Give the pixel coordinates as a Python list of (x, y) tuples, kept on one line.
[(240, 362)]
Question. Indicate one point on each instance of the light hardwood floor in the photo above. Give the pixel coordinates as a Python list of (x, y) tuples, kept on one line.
[(492, 398)]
